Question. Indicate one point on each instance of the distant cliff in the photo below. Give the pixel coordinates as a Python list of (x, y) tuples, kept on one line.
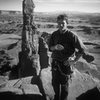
[(10, 12)]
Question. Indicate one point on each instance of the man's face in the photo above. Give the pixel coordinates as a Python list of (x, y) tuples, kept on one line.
[(62, 25)]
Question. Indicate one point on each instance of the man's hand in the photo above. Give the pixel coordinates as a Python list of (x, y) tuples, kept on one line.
[(66, 63), (59, 47), (70, 61)]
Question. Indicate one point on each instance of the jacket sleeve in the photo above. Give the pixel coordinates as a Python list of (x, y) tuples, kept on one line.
[(78, 44)]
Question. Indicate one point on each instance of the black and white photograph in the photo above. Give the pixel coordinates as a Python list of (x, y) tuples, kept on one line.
[(50, 49)]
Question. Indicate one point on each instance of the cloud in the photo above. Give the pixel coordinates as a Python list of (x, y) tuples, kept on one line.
[(87, 1), (68, 5), (66, 2), (52, 1)]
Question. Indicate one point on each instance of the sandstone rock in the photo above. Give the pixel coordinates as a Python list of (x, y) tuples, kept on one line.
[(88, 68), (46, 78), (3, 81), (93, 94), (21, 88), (80, 84), (30, 89)]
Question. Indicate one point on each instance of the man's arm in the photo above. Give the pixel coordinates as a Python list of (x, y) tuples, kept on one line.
[(79, 51), (78, 55), (72, 60), (79, 48)]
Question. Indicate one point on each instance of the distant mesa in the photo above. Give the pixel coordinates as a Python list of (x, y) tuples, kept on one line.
[(10, 12)]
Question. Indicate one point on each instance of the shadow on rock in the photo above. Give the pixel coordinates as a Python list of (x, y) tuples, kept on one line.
[(36, 80), (13, 96), (93, 94)]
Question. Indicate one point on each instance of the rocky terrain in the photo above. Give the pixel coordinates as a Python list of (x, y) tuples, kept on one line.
[(85, 78), (83, 85)]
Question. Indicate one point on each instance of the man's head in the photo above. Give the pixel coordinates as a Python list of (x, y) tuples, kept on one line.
[(63, 17), (62, 21)]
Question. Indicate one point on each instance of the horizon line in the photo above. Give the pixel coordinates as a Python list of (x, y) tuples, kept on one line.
[(50, 11)]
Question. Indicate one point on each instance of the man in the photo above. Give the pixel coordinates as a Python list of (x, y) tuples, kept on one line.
[(63, 44)]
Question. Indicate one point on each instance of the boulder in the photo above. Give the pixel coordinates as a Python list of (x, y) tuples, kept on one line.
[(29, 87), (79, 83), (88, 68)]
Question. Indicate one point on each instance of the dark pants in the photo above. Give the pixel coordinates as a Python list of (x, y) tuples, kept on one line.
[(60, 79)]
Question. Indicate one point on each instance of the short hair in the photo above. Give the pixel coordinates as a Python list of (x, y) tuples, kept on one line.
[(62, 17)]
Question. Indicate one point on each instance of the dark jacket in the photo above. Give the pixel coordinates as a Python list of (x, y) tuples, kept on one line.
[(70, 42)]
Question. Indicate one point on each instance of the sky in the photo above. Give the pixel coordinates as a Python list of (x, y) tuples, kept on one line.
[(90, 6)]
